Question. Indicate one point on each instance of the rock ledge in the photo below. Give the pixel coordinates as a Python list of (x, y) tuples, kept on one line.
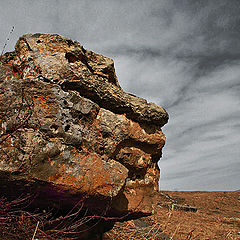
[(68, 129)]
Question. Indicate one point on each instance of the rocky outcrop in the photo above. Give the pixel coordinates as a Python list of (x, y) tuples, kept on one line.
[(66, 125)]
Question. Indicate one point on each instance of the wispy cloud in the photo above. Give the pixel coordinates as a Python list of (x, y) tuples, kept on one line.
[(183, 55)]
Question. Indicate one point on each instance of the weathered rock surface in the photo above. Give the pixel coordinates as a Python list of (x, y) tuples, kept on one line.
[(67, 124)]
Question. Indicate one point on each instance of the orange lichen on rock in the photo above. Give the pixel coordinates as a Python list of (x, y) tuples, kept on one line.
[(68, 123)]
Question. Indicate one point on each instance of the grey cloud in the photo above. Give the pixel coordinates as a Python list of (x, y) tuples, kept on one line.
[(183, 55)]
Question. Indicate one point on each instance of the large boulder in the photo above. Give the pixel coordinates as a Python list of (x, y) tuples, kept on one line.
[(68, 129)]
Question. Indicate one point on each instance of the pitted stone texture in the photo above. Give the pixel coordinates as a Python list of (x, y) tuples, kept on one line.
[(66, 121), (61, 60)]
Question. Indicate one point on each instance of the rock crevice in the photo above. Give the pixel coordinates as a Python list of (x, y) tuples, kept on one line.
[(65, 121)]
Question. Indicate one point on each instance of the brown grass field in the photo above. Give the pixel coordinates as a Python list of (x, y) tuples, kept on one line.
[(184, 216)]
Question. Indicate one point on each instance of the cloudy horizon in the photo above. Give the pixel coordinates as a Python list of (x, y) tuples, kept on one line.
[(182, 55)]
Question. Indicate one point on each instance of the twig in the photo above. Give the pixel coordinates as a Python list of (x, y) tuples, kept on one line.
[(156, 232), (167, 221), (155, 225), (8, 37), (175, 231), (35, 231), (189, 235)]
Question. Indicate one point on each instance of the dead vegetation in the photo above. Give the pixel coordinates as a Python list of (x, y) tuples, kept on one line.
[(217, 217)]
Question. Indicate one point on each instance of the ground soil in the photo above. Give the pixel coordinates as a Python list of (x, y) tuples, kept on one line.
[(186, 215)]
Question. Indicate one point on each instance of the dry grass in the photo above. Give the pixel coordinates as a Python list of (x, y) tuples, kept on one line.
[(18, 221), (35, 231), (128, 231), (217, 218), (141, 229)]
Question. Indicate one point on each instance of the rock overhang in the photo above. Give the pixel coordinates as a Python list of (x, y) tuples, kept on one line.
[(79, 130)]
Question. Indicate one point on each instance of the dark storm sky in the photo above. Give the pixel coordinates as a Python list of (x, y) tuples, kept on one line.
[(183, 55)]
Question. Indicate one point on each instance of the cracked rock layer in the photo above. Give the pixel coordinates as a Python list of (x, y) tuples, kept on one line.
[(65, 121)]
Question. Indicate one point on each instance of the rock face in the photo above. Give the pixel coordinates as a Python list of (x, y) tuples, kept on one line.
[(66, 125)]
